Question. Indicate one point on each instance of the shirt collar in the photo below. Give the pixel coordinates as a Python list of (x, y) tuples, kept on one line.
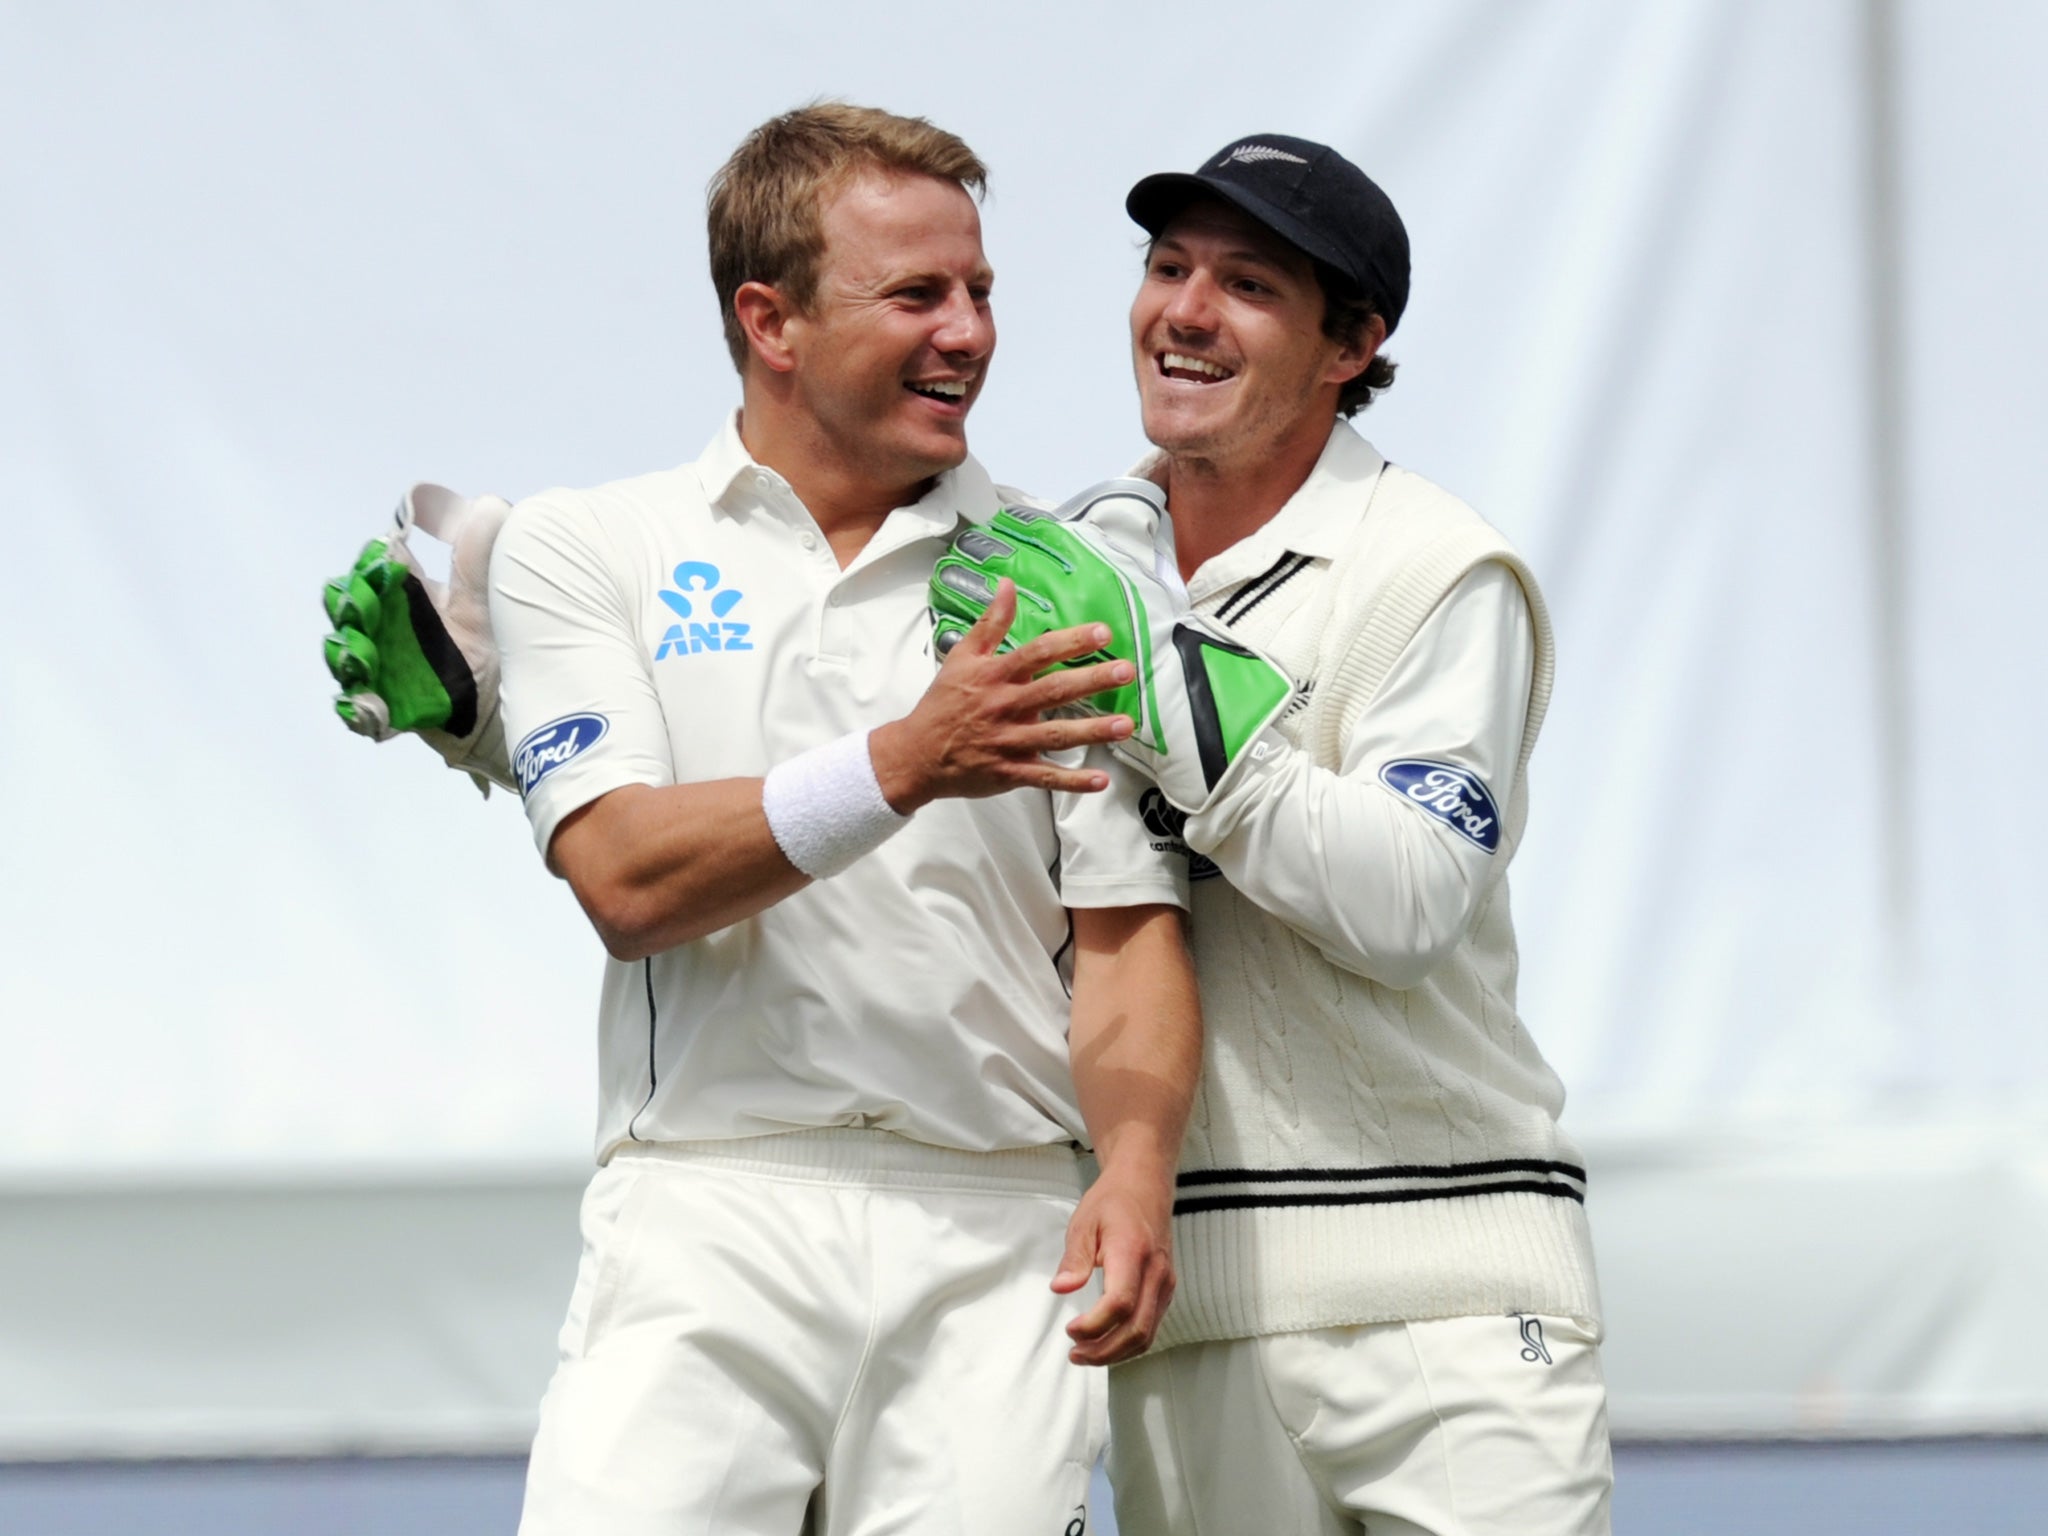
[(1316, 520), (727, 471), (732, 481), (963, 493)]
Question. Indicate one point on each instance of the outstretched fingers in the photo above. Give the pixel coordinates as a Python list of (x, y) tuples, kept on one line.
[(991, 722)]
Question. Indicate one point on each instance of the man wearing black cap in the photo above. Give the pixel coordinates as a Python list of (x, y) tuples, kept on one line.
[(1387, 1315)]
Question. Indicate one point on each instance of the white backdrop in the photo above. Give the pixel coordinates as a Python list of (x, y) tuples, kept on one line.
[(1734, 326)]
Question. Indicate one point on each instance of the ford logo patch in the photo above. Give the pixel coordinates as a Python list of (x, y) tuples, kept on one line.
[(1452, 795), (545, 750)]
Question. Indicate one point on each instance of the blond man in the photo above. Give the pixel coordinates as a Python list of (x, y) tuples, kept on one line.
[(837, 1255)]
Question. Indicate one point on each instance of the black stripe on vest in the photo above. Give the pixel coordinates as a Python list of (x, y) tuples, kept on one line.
[(1200, 1203), (1378, 1171), (1418, 1181)]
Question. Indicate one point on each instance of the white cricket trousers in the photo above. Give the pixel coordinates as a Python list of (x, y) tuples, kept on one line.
[(1463, 1426), (839, 1327)]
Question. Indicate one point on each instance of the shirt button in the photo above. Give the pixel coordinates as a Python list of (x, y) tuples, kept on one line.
[(809, 541)]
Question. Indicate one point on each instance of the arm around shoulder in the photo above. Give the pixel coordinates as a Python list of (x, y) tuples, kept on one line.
[(1383, 862)]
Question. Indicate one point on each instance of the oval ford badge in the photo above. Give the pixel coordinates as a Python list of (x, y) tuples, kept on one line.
[(546, 749), (1453, 795)]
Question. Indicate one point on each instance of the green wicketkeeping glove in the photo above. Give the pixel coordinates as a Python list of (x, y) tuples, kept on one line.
[(415, 655), (1201, 698)]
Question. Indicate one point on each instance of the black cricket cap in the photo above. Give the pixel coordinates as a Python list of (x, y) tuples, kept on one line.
[(1308, 195)]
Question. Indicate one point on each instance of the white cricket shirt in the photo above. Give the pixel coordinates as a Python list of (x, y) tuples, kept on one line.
[(692, 625), (1382, 880)]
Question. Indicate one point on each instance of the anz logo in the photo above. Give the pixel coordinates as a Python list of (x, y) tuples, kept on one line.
[(703, 606)]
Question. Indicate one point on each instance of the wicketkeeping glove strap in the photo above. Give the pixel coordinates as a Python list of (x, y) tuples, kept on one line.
[(1201, 697), (415, 655), (1217, 721)]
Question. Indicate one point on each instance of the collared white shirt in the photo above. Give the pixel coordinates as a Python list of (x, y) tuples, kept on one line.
[(693, 625), (1380, 885)]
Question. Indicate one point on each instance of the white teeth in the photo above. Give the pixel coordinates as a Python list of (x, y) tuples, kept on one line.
[(950, 389), (1175, 360)]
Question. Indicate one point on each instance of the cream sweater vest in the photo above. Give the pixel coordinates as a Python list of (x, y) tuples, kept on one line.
[(1358, 1154)]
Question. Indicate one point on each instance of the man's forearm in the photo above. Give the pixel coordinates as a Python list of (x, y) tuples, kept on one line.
[(1135, 1035), (1136, 1040), (657, 867)]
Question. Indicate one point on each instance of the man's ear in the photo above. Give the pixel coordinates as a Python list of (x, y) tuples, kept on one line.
[(1353, 360), (765, 315)]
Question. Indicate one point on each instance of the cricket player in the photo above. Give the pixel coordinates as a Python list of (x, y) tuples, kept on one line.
[(835, 1252), (1387, 1318)]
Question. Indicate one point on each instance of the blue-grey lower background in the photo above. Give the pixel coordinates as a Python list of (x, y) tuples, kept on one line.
[(1953, 1487)]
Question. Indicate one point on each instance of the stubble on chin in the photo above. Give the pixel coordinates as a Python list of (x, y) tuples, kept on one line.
[(1170, 429)]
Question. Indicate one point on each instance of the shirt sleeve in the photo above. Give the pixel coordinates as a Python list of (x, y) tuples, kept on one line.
[(1383, 864), (1116, 848), (577, 686)]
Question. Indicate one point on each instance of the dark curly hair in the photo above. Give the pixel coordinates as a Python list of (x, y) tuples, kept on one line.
[(1346, 314)]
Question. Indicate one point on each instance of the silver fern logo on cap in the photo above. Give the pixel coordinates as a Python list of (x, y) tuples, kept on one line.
[(1252, 154)]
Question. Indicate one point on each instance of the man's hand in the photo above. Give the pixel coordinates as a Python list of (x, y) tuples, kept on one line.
[(1199, 698), (1123, 1226), (414, 655), (980, 729)]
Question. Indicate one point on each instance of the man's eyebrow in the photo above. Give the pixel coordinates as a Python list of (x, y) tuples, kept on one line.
[(906, 278), (1240, 253)]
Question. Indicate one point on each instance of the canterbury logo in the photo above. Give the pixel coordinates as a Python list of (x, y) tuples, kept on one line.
[(1252, 154)]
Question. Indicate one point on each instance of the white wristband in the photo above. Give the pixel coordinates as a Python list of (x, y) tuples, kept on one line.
[(825, 806)]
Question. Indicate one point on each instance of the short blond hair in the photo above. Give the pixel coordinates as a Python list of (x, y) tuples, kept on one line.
[(765, 207)]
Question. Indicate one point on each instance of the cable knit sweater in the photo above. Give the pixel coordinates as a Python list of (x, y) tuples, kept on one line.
[(1363, 1152)]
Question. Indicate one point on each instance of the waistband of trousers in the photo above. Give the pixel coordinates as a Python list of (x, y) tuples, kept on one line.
[(853, 1155)]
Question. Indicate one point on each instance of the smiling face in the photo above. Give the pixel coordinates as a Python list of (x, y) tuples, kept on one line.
[(1227, 340), (891, 353)]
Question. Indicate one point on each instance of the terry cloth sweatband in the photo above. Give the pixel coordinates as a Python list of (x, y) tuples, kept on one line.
[(825, 806)]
